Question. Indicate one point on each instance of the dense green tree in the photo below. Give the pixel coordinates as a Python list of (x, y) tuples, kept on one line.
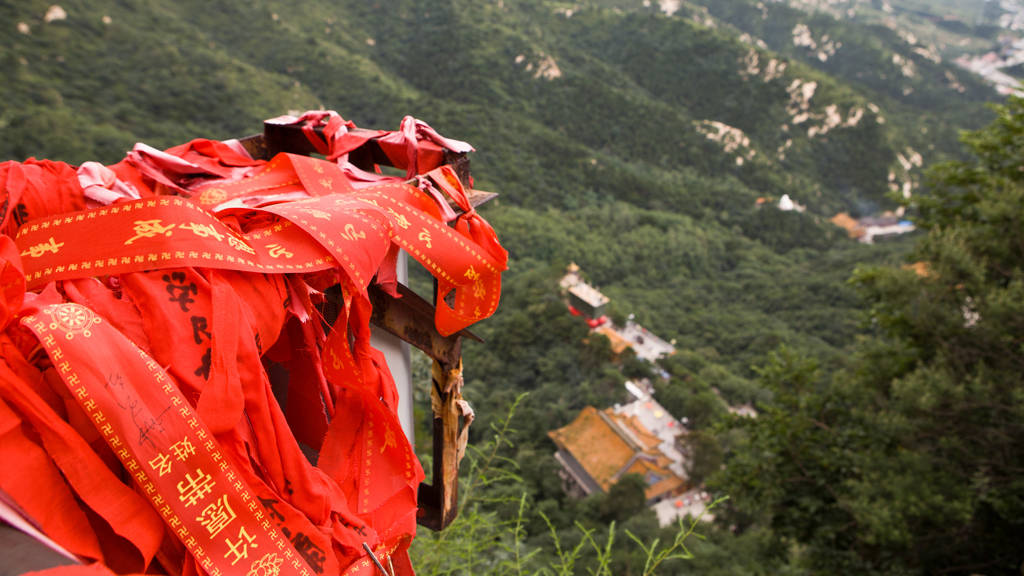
[(704, 455), (912, 460), (625, 499)]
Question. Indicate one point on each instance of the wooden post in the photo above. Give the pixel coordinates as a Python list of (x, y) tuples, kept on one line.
[(452, 418)]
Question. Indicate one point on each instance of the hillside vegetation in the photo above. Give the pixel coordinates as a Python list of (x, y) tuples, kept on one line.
[(632, 137)]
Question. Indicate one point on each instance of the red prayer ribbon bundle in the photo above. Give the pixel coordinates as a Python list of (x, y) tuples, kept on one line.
[(143, 306)]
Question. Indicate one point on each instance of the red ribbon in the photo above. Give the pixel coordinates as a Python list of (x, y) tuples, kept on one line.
[(168, 450), (219, 288)]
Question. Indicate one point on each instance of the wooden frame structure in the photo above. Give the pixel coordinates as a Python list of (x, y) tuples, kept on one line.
[(410, 318)]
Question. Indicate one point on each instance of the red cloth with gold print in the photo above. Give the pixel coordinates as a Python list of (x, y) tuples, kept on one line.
[(137, 413)]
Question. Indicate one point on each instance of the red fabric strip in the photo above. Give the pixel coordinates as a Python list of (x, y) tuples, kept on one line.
[(157, 233), (162, 443)]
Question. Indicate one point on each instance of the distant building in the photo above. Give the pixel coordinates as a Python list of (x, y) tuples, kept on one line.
[(867, 230), (572, 276), (618, 342), (647, 345), (848, 223), (647, 412), (601, 446), (690, 503), (582, 297), (884, 227), (786, 204), (585, 300), (990, 66), (744, 410)]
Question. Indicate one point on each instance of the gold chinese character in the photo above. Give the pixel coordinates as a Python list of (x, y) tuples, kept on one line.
[(149, 229), (161, 463), (316, 213), (351, 234), (241, 548), (389, 439), (335, 359), (276, 251), (202, 230), (425, 237), (478, 289), (472, 274), (40, 249), (217, 516), (400, 219), (212, 196), (238, 244), (193, 489), (183, 449)]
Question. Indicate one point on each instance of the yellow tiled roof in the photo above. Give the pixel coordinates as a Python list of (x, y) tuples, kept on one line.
[(604, 452)]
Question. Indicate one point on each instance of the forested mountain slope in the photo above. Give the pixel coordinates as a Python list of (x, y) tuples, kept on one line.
[(632, 137), (574, 108), (897, 70), (562, 84)]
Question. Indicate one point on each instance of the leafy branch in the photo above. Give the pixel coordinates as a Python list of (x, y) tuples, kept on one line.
[(678, 550)]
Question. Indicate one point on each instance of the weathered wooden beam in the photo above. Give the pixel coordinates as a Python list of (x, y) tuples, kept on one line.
[(256, 146), (439, 500), (411, 318)]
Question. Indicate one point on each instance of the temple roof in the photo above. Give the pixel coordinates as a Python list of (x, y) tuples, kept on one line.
[(607, 445)]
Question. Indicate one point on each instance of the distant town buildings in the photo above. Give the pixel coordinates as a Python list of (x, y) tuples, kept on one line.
[(867, 230), (640, 437), (990, 66), (1009, 52), (587, 301)]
